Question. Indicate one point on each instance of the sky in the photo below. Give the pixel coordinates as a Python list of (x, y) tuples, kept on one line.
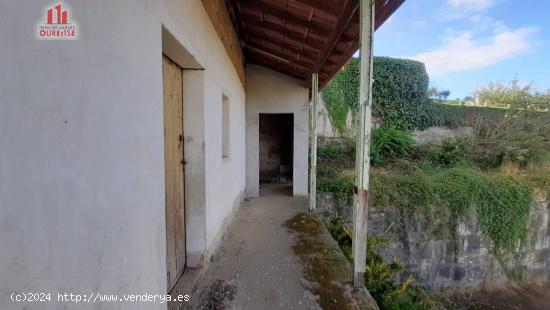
[(469, 43)]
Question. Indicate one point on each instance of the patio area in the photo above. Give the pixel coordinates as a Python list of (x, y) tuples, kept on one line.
[(277, 255)]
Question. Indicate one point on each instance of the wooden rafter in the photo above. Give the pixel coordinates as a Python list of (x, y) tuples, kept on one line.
[(293, 49), (287, 17), (346, 17), (281, 67), (328, 7), (303, 36), (308, 43), (278, 56), (296, 49)]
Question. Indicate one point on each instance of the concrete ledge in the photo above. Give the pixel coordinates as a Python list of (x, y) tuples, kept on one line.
[(327, 271)]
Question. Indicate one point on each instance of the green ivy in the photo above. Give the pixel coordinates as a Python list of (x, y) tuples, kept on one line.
[(399, 94), (341, 95), (381, 274), (502, 203)]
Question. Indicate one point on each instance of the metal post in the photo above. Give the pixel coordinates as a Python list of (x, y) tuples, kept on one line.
[(313, 138), (360, 212)]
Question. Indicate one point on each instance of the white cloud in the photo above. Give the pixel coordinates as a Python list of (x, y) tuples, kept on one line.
[(471, 5), (461, 9), (465, 52)]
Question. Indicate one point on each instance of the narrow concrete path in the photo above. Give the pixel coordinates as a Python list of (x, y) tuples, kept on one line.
[(256, 259), (266, 261)]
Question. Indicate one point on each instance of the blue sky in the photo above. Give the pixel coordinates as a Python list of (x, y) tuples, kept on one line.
[(465, 43)]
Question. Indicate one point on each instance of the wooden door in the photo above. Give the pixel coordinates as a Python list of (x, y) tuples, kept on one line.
[(174, 170)]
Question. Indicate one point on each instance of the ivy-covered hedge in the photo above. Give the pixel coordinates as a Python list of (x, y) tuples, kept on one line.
[(400, 94), (341, 95), (460, 115)]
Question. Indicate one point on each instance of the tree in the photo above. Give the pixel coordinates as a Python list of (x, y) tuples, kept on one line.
[(444, 94), (432, 92), (513, 95)]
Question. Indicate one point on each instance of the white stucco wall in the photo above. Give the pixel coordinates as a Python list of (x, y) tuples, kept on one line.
[(81, 147), (270, 92)]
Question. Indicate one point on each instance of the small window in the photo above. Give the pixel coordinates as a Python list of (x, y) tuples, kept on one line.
[(225, 128)]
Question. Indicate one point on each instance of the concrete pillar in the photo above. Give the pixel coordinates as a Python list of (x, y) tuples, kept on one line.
[(363, 144), (313, 134)]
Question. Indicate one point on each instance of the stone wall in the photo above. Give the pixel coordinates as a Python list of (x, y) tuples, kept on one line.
[(325, 129), (439, 256), (437, 134)]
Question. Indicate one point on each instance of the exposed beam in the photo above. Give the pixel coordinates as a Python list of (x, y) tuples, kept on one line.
[(386, 11), (292, 30), (362, 163), (280, 13), (308, 55), (290, 73), (350, 9), (263, 53), (267, 29), (291, 34), (328, 7), (277, 66), (277, 56), (379, 4), (234, 13), (345, 18)]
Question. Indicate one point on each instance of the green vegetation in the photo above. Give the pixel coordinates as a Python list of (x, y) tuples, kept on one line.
[(341, 94), (400, 97), (380, 275), (501, 202), (325, 267), (388, 142), (493, 175), (450, 152), (459, 177), (453, 116), (333, 175), (518, 137), (513, 95), (446, 177)]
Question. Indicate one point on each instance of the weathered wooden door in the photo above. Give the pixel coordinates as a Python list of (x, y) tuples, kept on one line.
[(174, 170)]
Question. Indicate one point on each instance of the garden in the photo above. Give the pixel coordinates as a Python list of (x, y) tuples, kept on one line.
[(494, 173)]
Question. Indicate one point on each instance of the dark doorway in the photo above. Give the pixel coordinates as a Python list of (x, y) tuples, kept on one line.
[(276, 148)]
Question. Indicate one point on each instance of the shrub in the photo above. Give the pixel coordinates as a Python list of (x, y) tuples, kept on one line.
[(453, 115), (519, 137), (451, 152), (330, 151), (337, 149), (341, 185), (400, 93), (342, 234), (513, 95), (388, 142)]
